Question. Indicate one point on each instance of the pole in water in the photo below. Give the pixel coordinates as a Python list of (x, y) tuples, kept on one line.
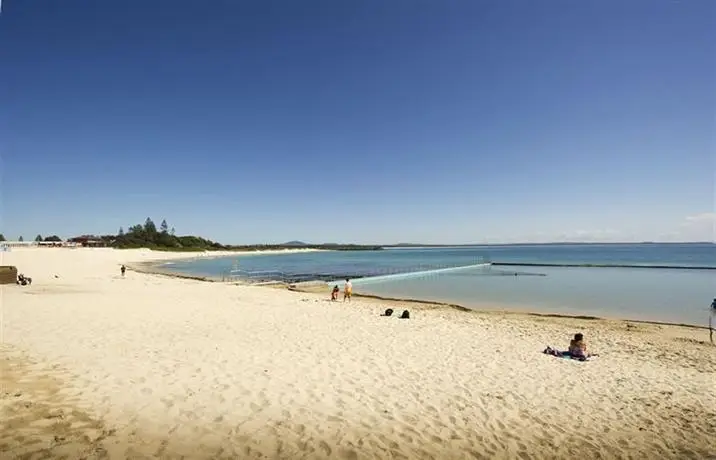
[(712, 313)]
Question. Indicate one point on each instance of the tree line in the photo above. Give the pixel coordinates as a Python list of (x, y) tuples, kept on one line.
[(38, 238), (165, 239), (142, 236), (148, 236)]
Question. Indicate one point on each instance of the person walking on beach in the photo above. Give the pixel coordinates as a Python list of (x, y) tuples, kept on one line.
[(123, 269), (347, 290), (334, 293)]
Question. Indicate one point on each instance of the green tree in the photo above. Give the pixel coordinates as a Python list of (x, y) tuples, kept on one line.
[(38, 238), (147, 236), (54, 239), (21, 239), (2, 237), (149, 226), (121, 232)]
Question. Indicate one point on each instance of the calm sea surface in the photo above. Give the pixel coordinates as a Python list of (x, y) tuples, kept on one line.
[(658, 294)]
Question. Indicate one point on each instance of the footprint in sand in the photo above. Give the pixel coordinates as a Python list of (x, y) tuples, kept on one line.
[(467, 393), (255, 407), (325, 448), (300, 428), (523, 455), (348, 454), (492, 447)]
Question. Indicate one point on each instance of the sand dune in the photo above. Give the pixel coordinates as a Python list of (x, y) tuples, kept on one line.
[(101, 366)]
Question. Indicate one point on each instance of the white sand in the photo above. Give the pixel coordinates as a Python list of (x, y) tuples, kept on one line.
[(150, 366)]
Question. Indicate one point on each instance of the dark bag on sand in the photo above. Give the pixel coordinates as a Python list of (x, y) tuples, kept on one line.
[(388, 312), (405, 315), (8, 274)]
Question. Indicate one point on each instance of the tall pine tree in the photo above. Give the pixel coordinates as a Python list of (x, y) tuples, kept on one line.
[(149, 226)]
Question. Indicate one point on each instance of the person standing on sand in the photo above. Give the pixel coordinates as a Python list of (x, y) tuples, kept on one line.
[(123, 269), (347, 290)]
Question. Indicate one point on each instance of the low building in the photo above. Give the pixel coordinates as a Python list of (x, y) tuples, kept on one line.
[(50, 244), (89, 241)]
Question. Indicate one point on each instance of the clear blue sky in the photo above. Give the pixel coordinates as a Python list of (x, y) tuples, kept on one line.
[(367, 121)]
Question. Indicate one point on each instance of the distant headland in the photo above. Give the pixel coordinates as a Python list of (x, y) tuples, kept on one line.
[(164, 239)]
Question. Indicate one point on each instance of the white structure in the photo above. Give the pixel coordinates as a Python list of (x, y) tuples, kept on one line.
[(7, 245), (18, 244)]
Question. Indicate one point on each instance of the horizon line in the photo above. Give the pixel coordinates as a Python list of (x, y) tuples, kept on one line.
[(491, 244), (299, 243)]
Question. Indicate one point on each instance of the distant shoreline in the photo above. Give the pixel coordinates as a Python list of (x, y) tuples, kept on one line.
[(576, 243), (597, 265)]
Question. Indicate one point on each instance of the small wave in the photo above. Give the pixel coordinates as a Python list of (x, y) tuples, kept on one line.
[(416, 274)]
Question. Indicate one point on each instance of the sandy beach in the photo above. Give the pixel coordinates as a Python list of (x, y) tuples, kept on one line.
[(94, 365)]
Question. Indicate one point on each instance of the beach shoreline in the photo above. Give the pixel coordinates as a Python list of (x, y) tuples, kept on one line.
[(156, 268), (103, 366)]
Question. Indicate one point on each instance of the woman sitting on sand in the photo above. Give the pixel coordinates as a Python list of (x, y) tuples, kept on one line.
[(577, 349)]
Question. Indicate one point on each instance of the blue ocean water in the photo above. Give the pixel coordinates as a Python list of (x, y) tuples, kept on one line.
[(656, 294)]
